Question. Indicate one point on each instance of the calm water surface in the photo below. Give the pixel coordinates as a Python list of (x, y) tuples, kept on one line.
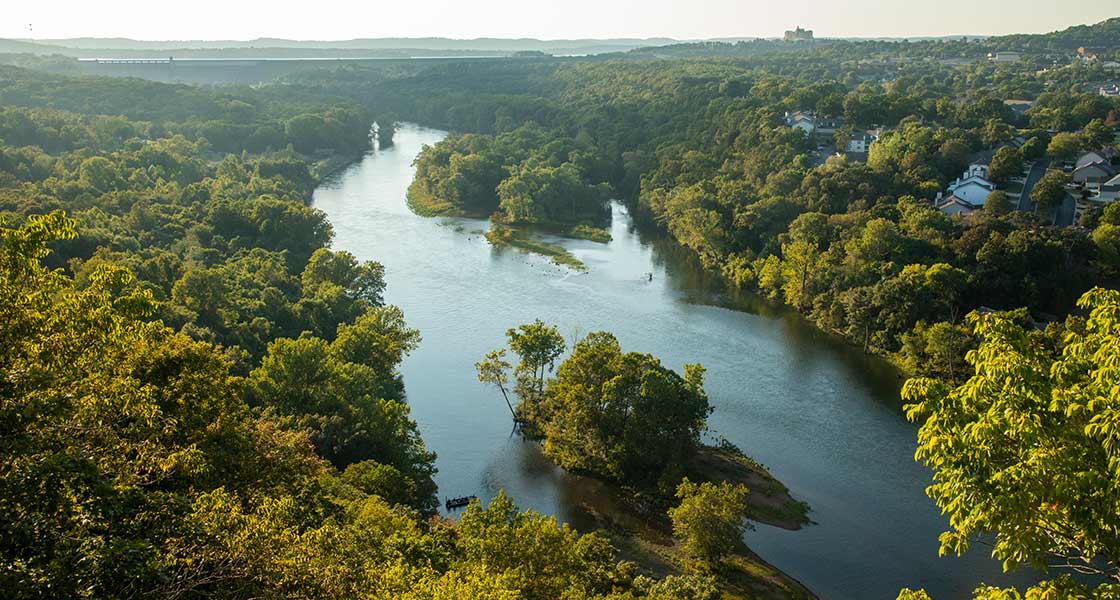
[(821, 416)]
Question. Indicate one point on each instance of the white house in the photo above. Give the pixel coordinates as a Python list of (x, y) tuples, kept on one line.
[(860, 142), (968, 192), (972, 190), (809, 122), (804, 121)]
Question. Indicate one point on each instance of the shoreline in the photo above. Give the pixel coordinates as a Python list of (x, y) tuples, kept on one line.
[(641, 532)]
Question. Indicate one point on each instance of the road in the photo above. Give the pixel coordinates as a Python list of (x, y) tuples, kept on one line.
[(1038, 169)]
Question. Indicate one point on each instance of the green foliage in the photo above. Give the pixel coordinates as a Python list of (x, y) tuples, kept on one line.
[(699, 146), (525, 176), (997, 203), (1007, 163), (621, 415), (1025, 449), (538, 345), (1065, 146), (710, 520), (1049, 192), (112, 427)]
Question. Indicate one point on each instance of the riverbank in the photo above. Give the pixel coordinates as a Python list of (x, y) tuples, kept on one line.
[(788, 393), (424, 204), (641, 532)]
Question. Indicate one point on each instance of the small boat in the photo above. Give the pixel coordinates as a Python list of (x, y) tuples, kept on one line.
[(459, 502)]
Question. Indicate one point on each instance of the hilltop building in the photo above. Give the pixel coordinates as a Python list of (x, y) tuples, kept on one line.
[(1005, 57), (799, 35)]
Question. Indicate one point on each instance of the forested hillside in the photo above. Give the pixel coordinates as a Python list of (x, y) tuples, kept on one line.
[(855, 244), (200, 398)]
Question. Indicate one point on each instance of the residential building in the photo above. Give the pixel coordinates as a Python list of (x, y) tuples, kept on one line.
[(1104, 155), (861, 141), (1019, 107), (802, 120), (1093, 172), (1108, 191), (1110, 91), (1005, 57), (811, 123), (953, 206), (968, 192)]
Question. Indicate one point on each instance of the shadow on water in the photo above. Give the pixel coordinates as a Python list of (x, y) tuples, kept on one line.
[(819, 413), (700, 286)]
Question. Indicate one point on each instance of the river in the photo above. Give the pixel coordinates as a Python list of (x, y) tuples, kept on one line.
[(824, 418)]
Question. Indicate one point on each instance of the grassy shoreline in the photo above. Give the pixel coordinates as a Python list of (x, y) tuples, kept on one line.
[(501, 235), (426, 205), (637, 526)]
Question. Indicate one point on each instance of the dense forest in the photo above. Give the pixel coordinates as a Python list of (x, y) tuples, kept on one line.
[(700, 147), (199, 398)]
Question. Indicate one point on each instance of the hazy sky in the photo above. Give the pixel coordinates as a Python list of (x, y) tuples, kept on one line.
[(339, 19)]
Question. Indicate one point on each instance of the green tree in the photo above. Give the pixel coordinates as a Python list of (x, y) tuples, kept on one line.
[(1065, 146), (1097, 134), (1025, 449), (946, 344), (996, 131), (1049, 192), (385, 481), (710, 520), (1006, 163), (361, 281), (997, 203), (494, 369), (619, 415), (98, 173), (1107, 239), (537, 345)]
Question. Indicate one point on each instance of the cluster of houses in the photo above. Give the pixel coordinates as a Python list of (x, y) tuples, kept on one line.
[(1091, 55), (809, 122), (1097, 175), (1095, 180)]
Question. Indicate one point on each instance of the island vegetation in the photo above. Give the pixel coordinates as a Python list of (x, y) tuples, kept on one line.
[(199, 398), (624, 418)]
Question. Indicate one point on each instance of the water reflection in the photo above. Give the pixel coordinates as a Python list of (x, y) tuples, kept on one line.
[(821, 415)]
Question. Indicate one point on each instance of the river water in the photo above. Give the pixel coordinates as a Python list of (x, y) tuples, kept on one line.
[(821, 416)]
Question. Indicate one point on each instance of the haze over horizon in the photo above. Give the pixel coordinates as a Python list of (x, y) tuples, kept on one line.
[(335, 20)]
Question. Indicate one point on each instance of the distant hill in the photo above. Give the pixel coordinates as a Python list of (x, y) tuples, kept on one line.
[(1105, 34), (124, 47)]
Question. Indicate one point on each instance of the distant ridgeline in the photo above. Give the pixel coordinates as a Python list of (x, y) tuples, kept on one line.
[(199, 398), (854, 241)]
